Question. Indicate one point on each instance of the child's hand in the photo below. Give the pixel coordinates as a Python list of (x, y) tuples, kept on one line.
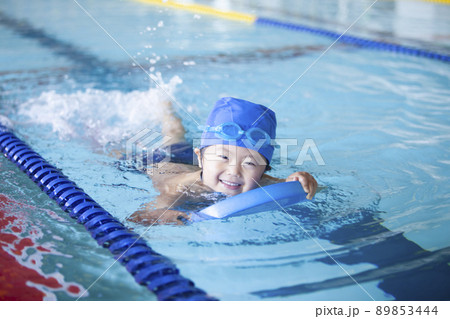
[(160, 216), (308, 182)]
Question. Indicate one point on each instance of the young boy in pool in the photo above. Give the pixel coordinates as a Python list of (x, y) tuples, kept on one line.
[(234, 154)]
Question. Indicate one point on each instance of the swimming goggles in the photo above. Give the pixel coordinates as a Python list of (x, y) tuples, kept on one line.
[(232, 131)]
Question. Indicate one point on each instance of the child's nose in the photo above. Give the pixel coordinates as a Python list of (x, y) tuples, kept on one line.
[(234, 170)]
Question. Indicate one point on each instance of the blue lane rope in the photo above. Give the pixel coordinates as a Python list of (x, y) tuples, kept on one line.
[(356, 41), (347, 39), (148, 268)]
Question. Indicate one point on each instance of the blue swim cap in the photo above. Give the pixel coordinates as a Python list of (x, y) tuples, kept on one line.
[(257, 125)]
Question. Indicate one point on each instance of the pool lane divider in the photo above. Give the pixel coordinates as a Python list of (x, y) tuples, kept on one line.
[(148, 268), (83, 59), (345, 39), (356, 41), (438, 1), (203, 9)]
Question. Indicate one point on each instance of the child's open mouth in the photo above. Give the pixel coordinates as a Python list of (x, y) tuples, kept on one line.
[(230, 185)]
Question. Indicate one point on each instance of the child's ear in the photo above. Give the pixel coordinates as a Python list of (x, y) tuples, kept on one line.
[(199, 156)]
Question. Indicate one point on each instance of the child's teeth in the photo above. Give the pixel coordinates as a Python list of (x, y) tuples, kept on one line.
[(231, 184)]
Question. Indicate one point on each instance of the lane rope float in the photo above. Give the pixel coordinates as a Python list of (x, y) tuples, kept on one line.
[(148, 267), (345, 39), (356, 41), (202, 9)]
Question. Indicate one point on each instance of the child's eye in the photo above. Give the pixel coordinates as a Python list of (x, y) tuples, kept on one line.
[(223, 156), (250, 164)]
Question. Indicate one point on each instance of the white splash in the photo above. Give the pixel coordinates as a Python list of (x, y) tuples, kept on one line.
[(6, 122), (100, 116)]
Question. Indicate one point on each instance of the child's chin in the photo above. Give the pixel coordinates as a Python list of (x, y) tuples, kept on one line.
[(230, 192)]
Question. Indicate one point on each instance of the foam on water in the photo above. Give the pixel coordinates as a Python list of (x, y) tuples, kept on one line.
[(97, 115), (6, 122)]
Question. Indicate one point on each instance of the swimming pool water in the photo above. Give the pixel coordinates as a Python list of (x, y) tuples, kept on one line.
[(379, 120)]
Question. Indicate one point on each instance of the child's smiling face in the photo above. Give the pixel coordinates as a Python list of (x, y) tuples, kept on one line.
[(231, 169)]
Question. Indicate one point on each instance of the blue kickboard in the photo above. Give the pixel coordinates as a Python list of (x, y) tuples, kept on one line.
[(271, 197)]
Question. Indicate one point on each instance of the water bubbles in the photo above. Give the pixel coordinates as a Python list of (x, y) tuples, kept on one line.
[(154, 60), (151, 57)]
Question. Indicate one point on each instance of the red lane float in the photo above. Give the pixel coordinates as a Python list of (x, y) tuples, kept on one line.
[(21, 277)]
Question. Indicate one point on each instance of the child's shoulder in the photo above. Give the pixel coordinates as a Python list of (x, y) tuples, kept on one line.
[(166, 174), (168, 170), (174, 179)]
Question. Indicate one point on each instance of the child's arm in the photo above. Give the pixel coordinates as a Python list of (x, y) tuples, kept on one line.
[(308, 182), (173, 183), (158, 212), (162, 174), (171, 124)]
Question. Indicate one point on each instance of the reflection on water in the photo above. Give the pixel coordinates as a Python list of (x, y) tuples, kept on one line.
[(380, 121)]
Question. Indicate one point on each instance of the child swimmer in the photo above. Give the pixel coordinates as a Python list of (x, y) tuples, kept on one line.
[(234, 154)]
